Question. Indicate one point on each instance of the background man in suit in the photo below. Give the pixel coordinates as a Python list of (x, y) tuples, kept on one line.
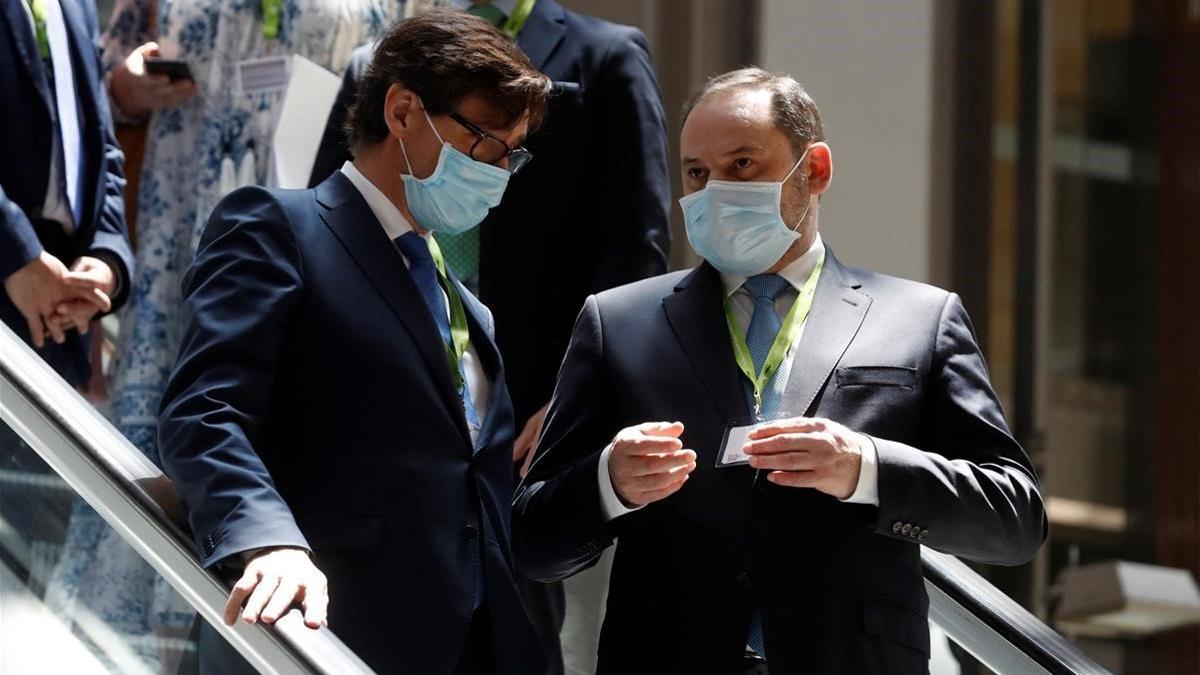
[(879, 428), (588, 215), (339, 394), (64, 256)]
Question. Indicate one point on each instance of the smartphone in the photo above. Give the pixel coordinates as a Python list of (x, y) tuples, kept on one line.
[(176, 69)]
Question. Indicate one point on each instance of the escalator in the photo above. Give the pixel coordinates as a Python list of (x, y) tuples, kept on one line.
[(98, 574)]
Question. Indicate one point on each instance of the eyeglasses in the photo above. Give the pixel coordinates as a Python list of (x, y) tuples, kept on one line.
[(490, 150)]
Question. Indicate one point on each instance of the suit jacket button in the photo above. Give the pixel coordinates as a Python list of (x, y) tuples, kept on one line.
[(915, 531), (469, 532), (896, 527), (906, 529), (924, 533), (743, 580)]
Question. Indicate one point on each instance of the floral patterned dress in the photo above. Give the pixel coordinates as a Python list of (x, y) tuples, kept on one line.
[(181, 182)]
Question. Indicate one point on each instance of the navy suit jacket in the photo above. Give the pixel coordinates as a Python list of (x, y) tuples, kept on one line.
[(839, 585), (26, 134), (312, 405), (587, 214)]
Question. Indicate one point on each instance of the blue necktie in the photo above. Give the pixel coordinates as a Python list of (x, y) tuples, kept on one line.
[(425, 275), (760, 336)]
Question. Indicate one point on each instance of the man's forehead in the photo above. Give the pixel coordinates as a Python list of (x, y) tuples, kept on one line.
[(738, 119)]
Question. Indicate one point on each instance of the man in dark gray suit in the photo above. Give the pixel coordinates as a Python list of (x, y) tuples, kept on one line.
[(821, 423)]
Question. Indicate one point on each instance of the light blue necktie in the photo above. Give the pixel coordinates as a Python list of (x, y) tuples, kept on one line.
[(760, 335), (425, 275), (68, 106), (764, 326)]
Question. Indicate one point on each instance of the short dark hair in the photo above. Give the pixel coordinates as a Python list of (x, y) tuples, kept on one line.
[(445, 56), (792, 109)]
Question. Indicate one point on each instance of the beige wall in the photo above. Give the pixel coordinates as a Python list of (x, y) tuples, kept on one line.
[(870, 67)]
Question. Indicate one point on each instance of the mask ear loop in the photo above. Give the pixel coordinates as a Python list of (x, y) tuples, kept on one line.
[(429, 119), (807, 204)]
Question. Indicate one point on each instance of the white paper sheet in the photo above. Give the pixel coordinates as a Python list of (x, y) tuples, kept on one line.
[(311, 92)]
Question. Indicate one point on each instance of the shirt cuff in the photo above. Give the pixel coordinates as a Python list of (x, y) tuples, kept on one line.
[(867, 490), (610, 503)]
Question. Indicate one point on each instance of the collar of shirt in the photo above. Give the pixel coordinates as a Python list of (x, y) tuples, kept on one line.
[(394, 222), (796, 272), (506, 6)]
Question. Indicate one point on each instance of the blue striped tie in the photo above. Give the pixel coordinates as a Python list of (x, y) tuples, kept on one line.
[(760, 336)]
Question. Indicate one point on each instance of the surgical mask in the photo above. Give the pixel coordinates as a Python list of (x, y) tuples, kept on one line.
[(737, 225), (458, 194)]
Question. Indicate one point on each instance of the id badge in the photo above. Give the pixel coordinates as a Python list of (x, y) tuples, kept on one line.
[(731, 445), (736, 435), (271, 73)]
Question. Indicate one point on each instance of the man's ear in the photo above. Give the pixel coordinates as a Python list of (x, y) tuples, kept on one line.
[(399, 104), (820, 167)]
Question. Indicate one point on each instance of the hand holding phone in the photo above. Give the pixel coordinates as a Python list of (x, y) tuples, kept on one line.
[(145, 82)]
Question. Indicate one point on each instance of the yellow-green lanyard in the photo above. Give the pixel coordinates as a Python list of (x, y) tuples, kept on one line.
[(517, 21), (784, 339), (460, 334), (38, 9), (272, 10)]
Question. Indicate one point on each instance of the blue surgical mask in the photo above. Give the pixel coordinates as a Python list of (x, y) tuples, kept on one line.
[(737, 226), (458, 194)]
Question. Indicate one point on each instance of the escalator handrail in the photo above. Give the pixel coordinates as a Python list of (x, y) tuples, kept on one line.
[(996, 620), (134, 497)]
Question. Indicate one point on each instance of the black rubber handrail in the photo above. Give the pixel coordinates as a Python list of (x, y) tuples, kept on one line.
[(1013, 623)]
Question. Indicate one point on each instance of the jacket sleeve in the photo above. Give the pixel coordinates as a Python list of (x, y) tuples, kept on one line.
[(636, 185), (240, 292), (19, 243), (559, 524), (333, 151), (973, 492)]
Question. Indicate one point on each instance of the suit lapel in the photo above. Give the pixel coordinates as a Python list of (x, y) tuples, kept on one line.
[(25, 43), (837, 313), (698, 320), (87, 79), (347, 215), (542, 32)]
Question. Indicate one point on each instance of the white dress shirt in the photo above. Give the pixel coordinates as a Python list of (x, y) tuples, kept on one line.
[(394, 224), (796, 273), (62, 201)]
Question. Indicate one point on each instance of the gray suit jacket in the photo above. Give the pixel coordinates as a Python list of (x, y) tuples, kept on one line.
[(839, 585)]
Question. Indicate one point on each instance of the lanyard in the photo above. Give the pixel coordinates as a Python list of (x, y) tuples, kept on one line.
[(517, 21), (271, 9), (38, 9), (784, 339), (460, 334)]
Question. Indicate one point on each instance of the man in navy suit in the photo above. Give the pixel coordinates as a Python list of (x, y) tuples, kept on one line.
[(771, 436), (64, 256), (338, 416), (599, 191)]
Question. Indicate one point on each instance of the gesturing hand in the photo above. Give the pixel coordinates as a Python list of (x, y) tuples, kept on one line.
[(809, 453), (41, 286), (528, 440), (274, 579), (648, 462), (87, 272)]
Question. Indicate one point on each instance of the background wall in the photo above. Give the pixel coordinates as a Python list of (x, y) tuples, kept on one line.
[(870, 66)]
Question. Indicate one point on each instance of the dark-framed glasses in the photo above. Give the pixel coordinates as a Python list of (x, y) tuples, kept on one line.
[(489, 149)]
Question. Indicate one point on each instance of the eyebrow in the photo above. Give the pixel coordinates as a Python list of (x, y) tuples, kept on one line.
[(736, 151)]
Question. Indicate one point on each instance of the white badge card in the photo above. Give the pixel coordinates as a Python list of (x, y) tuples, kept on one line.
[(256, 76), (731, 446)]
